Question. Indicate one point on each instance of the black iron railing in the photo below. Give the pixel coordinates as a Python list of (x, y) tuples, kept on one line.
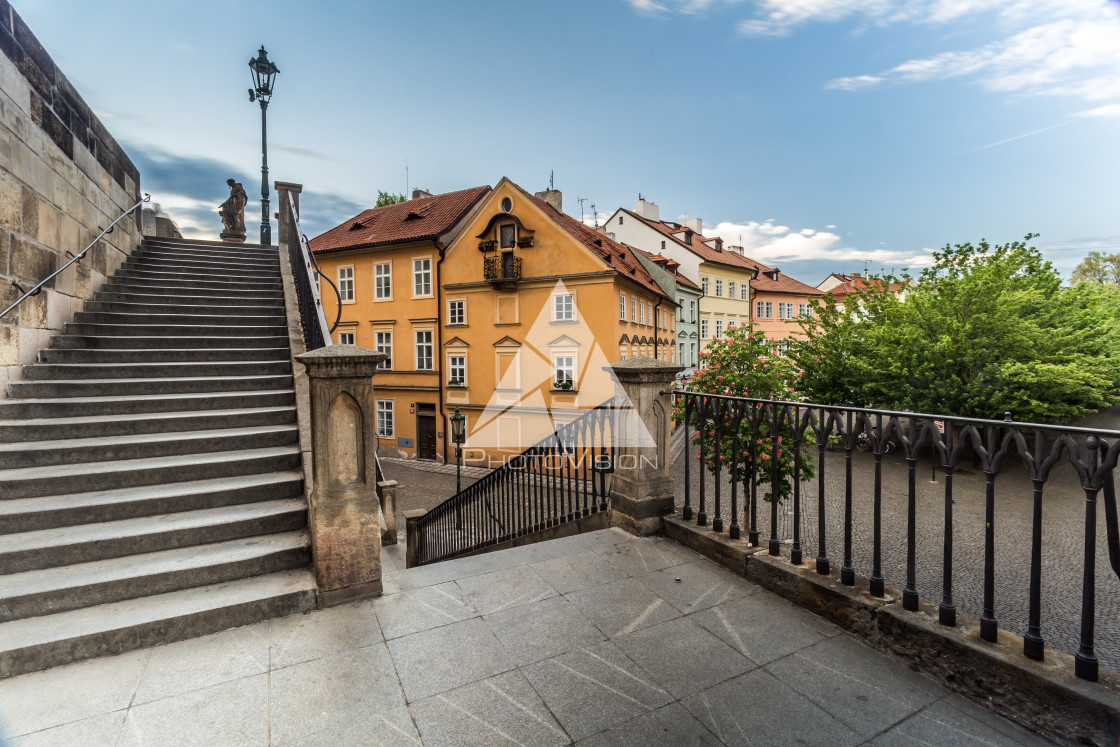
[(736, 433), (305, 274), (561, 478), (24, 295), (497, 267)]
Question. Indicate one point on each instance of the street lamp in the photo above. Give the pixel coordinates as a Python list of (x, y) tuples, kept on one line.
[(458, 437), (264, 74)]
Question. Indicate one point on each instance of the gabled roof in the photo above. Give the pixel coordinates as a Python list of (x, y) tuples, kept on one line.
[(699, 244), (767, 283), (610, 251), (412, 220), (669, 265), (852, 283)]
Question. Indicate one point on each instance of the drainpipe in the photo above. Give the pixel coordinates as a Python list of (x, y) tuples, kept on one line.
[(439, 342)]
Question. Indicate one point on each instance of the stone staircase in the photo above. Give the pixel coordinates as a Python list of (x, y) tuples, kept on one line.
[(150, 482)]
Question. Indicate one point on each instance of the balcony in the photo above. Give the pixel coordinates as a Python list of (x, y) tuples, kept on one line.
[(502, 270)]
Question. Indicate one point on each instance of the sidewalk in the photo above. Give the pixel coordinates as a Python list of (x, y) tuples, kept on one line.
[(600, 637)]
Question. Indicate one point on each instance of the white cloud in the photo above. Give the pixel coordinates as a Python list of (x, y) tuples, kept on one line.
[(773, 244), (690, 7), (1109, 110)]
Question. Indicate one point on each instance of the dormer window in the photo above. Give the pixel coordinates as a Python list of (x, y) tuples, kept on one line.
[(507, 234)]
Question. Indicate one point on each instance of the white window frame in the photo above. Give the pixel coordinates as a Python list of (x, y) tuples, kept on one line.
[(385, 345), (704, 286), (563, 307), (386, 276), (342, 338), (622, 307), (719, 288), (769, 309), (457, 363), (719, 328), (744, 292), (430, 344), (633, 309), (564, 372), (421, 277), (462, 315), (704, 329), (346, 284), (385, 416), (731, 289)]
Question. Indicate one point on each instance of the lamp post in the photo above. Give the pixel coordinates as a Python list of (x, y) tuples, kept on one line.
[(458, 437), (264, 74)]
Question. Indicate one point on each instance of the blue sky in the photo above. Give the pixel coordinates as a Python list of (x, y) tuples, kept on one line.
[(824, 133)]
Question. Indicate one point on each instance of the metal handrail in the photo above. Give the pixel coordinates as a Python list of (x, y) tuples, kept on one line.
[(74, 258), (322, 331)]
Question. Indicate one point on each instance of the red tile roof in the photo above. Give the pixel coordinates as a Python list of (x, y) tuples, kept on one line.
[(765, 283), (610, 251), (699, 247), (670, 265), (412, 220), (852, 283)]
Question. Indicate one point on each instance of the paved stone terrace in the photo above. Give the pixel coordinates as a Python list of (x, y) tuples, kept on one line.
[(600, 638)]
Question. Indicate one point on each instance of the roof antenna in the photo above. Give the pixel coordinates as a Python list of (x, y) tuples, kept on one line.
[(581, 200), (866, 262), (550, 181), (596, 214), (406, 192)]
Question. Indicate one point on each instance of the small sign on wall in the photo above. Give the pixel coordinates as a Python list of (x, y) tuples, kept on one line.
[(405, 443)]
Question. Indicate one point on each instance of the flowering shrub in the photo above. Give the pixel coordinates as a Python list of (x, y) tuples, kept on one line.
[(743, 363)]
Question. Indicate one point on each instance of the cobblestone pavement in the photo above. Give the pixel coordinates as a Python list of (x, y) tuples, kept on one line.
[(601, 638), (1062, 537), (424, 484)]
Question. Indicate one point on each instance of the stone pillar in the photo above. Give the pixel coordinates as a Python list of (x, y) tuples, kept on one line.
[(288, 193), (641, 486), (388, 491), (412, 536), (344, 508)]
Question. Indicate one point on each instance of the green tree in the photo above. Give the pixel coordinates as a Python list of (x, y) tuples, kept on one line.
[(1099, 268), (388, 198), (984, 330), (743, 363)]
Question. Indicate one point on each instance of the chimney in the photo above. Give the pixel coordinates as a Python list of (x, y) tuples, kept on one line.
[(695, 224), (418, 193), (553, 197), (647, 210)]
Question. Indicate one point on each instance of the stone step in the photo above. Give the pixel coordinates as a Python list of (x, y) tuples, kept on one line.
[(192, 288), (245, 316), (30, 482), (78, 451), (161, 354), (37, 643), (201, 268), (83, 543), (52, 590), (72, 407), (70, 509), (245, 298), (79, 371), (203, 244), (131, 424), (231, 277), (211, 261), (147, 386), (108, 342), (177, 330), (205, 254), (192, 306)]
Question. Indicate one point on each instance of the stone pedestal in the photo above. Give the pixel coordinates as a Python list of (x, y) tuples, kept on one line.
[(344, 515), (288, 193), (232, 238), (641, 486)]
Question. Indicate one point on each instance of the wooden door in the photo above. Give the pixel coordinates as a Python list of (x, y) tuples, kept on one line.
[(426, 436)]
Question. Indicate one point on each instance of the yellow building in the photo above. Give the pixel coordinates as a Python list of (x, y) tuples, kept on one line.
[(534, 305), (386, 263)]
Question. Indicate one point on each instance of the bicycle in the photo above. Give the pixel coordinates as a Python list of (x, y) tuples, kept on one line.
[(865, 443)]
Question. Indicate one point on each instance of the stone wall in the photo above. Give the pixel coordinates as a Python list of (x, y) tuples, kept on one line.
[(62, 179)]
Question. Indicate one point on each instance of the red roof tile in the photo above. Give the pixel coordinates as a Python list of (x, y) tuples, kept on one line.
[(412, 220), (610, 251), (765, 283), (698, 246), (852, 283), (669, 264)]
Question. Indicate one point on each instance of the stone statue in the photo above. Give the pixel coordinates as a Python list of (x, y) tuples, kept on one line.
[(233, 212)]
